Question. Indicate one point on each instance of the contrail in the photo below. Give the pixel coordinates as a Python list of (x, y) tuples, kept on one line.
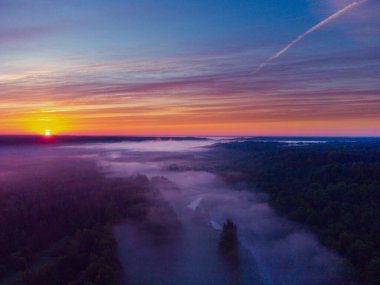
[(309, 31)]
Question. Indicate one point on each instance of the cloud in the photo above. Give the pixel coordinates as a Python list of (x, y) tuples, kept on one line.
[(361, 24), (202, 90), (316, 27)]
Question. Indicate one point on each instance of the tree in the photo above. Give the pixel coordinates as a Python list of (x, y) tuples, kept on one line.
[(228, 240)]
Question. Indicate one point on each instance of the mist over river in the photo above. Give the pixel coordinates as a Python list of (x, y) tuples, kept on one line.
[(194, 201), (272, 250)]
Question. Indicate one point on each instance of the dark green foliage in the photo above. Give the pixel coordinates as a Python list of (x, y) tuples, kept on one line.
[(68, 203), (228, 242), (229, 245), (334, 188), (86, 258)]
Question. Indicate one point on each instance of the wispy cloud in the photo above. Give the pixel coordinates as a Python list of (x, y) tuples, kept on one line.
[(95, 81), (183, 92), (309, 31)]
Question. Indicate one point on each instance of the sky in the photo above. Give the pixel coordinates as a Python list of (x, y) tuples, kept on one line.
[(188, 67)]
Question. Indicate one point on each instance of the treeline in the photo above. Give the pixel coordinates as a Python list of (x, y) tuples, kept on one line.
[(333, 188), (88, 257), (75, 202)]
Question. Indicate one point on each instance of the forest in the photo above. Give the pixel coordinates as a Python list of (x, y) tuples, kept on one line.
[(58, 208), (56, 223), (332, 188)]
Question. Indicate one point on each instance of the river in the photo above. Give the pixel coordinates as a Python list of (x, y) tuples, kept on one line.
[(272, 251)]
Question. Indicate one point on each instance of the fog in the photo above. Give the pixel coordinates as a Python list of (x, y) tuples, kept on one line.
[(153, 145), (273, 250)]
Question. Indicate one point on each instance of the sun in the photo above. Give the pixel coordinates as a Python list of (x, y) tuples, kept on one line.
[(47, 133), (45, 123)]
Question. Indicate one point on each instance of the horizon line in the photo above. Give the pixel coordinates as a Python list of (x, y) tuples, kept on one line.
[(196, 136)]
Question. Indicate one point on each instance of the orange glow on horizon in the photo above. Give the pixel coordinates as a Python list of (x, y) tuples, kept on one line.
[(146, 124), (43, 123)]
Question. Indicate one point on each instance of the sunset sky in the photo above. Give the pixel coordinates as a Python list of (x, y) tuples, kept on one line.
[(187, 67)]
